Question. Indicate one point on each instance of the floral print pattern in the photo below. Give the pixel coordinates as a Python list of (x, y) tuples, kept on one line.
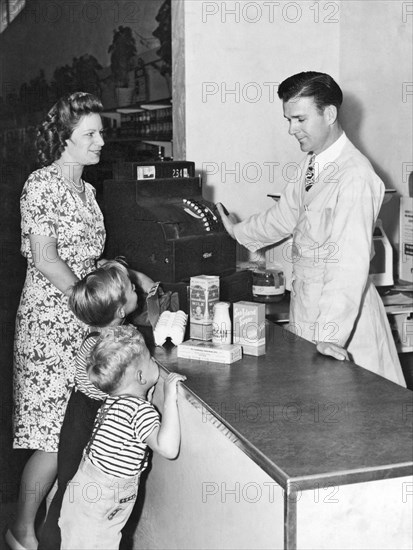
[(48, 335)]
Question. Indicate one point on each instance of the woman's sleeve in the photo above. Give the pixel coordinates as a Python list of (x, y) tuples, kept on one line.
[(39, 206)]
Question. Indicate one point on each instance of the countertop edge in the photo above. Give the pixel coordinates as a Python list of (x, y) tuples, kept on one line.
[(290, 483)]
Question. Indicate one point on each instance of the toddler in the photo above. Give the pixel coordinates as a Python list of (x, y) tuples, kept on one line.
[(99, 500), (102, 300)]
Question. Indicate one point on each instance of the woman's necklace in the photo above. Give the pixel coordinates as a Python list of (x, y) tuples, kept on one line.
[(78, 187)]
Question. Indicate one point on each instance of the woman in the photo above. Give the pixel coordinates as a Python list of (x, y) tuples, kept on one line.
[(63, 236)]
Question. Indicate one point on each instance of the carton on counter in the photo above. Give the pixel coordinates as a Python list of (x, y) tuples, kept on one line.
[(208, 351), (203, 294), (249, 327), (406, 239)]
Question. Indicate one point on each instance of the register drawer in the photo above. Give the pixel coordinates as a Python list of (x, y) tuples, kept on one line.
[(146, 249)]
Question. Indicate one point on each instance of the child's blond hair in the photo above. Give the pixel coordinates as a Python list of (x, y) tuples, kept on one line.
[(114, 351), (97, 297)]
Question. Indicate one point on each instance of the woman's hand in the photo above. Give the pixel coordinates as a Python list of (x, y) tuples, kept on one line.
[(327, 348)]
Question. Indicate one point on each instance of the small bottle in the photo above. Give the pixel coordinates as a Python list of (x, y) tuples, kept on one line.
[(161, 154), (221, 324)]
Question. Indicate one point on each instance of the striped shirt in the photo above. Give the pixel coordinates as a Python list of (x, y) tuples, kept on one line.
[(82, 382), (117, 446)]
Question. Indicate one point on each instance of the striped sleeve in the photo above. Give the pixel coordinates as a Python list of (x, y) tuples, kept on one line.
[(146, 420), (82, 381), (81, 359)]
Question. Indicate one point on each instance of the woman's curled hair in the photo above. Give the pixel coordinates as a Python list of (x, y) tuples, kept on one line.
[(60, 122)]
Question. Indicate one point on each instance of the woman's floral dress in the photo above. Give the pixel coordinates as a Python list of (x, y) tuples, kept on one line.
[(48, 335)]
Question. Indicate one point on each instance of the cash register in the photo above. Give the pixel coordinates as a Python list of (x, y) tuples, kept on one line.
[(157, 218)]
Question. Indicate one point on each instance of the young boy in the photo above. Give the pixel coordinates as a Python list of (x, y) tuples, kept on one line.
[(102, 300), (99, 500)]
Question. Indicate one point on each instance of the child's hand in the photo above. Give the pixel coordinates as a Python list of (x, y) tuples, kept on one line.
[(165, 439), (144, 282), (171, 384), (326, 348)]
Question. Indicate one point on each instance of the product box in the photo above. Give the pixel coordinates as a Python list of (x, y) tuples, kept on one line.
[(401, 324), (207, 351), (203, 294), (406, 239), (249, 327), (200, 332)]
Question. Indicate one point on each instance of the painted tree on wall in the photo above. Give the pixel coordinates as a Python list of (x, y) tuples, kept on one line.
[(122, 52), (164, 35)]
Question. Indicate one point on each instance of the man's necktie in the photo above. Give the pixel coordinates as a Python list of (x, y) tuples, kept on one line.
[(309, 175)]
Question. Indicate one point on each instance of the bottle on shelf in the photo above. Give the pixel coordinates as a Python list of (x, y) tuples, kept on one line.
[(161, 153)]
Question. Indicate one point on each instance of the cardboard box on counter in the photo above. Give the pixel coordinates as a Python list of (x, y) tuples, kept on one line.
[(406, 239), (203, 294), (249, 327), (207, 351), (200, 331)]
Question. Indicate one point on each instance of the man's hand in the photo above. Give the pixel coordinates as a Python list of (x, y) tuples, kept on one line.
[(327, 348), (227, 219)]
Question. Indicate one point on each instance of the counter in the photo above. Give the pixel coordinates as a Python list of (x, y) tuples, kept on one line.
[(288, 450)]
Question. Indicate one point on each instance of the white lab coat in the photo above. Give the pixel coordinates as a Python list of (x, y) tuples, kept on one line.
[(332, 297)]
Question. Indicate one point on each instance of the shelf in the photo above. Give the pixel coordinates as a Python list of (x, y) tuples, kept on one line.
[(154, 107), (129, 110), (114, 139), (140, 107), (155, 141), (157, 104)]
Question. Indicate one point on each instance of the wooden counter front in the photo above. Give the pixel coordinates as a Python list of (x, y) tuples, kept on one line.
[(316, 452)]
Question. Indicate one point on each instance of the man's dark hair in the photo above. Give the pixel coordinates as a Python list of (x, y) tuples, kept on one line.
[(320, 86)]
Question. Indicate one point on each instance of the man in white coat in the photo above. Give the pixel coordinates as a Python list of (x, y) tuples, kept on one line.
[(330, 213)]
